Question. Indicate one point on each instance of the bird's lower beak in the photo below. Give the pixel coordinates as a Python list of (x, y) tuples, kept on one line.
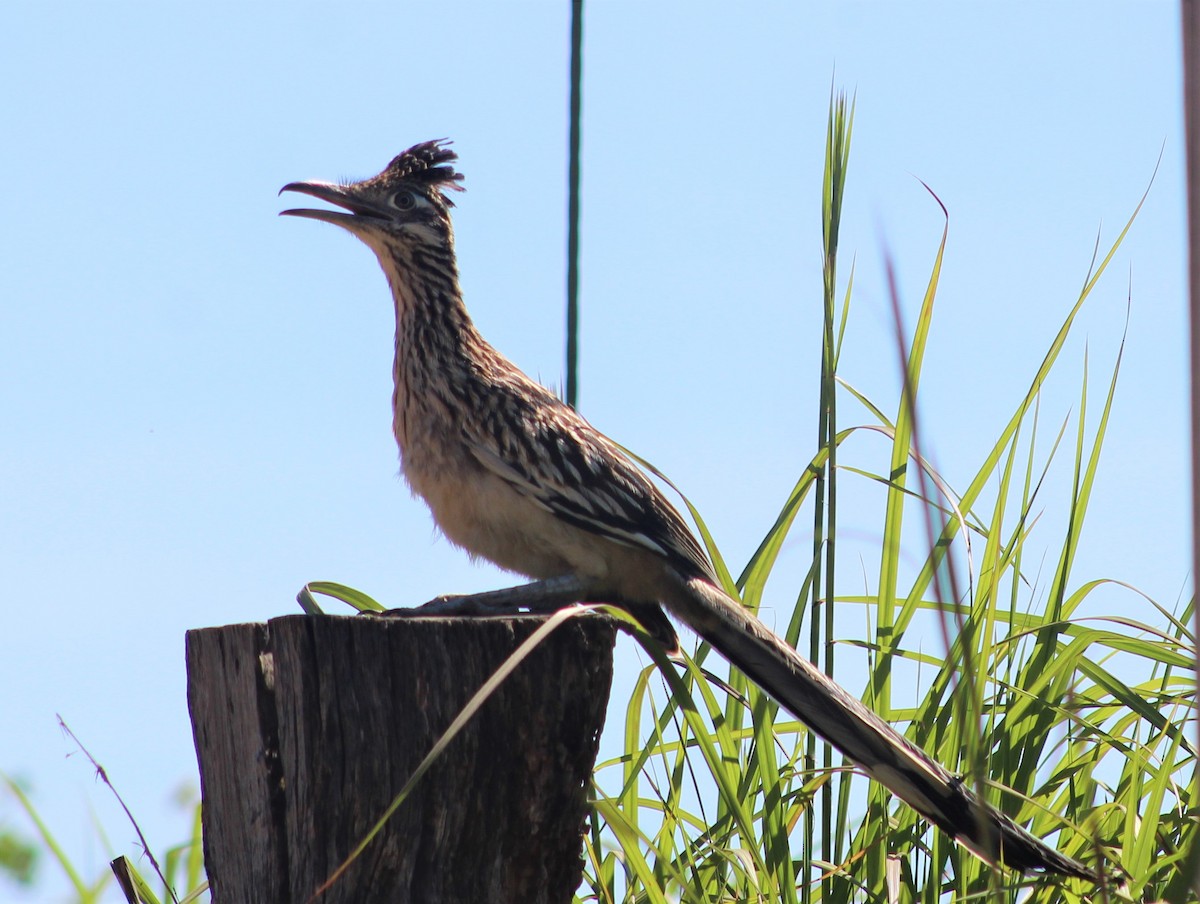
[(359, 212)]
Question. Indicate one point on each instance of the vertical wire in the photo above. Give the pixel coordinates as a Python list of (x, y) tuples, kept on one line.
[(1190, 21), (573, 205)]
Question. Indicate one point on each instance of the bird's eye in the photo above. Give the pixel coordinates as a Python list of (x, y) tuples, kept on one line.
[(404, 200)]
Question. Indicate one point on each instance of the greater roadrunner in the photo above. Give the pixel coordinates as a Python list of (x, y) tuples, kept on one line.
[(514, 475)]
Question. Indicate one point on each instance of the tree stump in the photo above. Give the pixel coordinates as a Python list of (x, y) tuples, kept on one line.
[(307, 727)]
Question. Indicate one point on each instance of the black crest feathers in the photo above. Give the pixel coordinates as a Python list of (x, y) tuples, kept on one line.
[(427, 163)]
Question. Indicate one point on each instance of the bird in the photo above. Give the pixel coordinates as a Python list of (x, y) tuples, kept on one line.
[(514, 475)]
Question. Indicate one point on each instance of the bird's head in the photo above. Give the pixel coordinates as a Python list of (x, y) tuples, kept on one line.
[(406, 203)]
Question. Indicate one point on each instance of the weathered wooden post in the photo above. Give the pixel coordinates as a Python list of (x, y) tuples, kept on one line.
[(307, 726)]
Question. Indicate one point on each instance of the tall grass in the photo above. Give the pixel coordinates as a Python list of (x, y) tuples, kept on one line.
[(1074, 726)]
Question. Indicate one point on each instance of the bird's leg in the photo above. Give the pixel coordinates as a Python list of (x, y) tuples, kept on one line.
[(543, 596), (539, 596)]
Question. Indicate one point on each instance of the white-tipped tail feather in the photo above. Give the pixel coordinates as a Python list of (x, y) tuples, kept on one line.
[(876, 747)]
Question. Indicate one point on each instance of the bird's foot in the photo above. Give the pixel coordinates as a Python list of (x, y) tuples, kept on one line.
[(540, 596), (451, 604)]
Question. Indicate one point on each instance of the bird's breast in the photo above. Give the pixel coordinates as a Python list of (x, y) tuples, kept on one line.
[(487, 517)]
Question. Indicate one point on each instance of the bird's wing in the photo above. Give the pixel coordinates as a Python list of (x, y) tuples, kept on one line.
[(557, 459)]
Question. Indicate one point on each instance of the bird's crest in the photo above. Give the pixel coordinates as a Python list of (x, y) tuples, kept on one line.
[(428, 164)]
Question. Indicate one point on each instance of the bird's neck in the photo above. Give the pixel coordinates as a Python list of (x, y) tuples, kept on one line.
[(439, 352)]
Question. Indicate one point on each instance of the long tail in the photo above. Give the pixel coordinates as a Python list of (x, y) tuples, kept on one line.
[(883, 753)]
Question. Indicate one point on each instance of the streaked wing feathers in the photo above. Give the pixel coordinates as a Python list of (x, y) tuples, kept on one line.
[(548, 453)]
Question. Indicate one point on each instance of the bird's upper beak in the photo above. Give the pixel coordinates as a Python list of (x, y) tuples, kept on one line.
[(360, 211)]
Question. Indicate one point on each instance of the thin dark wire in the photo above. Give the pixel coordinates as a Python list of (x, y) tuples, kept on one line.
[(1190, 10), (573, 205)]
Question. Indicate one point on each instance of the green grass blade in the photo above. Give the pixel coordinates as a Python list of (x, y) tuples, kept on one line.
[(348, 595)]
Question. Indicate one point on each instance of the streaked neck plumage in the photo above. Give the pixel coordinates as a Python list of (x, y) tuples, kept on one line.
[(439, 353)]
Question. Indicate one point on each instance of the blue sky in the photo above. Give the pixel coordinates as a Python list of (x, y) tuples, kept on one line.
[(195, 392)]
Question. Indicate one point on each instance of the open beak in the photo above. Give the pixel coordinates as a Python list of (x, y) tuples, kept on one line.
[(359, 211)]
